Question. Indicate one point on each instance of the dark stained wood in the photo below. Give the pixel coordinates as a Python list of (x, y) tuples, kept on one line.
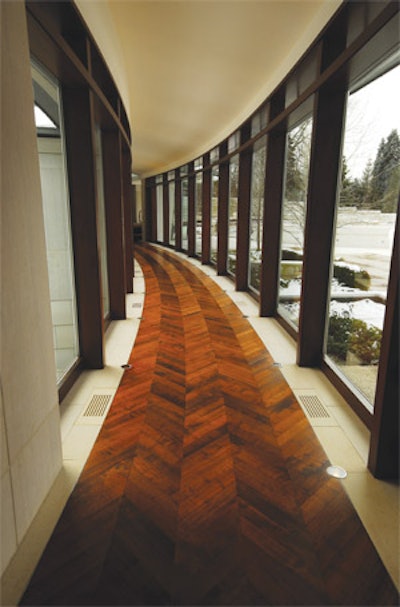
[(323, 181), (165, 210), (191, 213), (114, 205), (243, 234), (223, 210), (206, 211), (384, 445), (206, 485), (79, 129), (128, 205), (272, 219), (178, 211)]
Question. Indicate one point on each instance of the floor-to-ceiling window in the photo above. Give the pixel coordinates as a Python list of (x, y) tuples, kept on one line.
[(233, 213), (56, 211), (198, 212), (214, 214), (171, 191), (297, 163), (256, 211), (366, 215), (185, 208)]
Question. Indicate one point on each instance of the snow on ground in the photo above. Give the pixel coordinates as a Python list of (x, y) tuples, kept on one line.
[(365, 309)]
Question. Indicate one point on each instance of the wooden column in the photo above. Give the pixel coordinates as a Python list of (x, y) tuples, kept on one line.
[(223, 210), (79, 138), (325, 161), (148, 210), (191, 213), (206, 212), (384, 447), (243, 228), (112, 163), (178, 211), (165, 210), (272, 222), (128, 193)]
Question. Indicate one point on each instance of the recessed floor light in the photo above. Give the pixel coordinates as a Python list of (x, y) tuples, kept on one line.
[(336, 471)]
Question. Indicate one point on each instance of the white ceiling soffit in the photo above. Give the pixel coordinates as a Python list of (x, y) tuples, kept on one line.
[(190, 71)]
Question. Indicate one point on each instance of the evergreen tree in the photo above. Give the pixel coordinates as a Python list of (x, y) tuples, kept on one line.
[(385, 165), (349, 196)]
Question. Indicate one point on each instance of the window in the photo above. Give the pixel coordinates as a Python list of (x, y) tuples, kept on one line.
[(198, 213), (298, 148), (256, 211), (366, 215), (160, 212), (233, 212), (185, 213), (171, 191), (214, 214), (56, 211)]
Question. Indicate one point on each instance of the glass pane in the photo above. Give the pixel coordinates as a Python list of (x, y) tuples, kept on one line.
[(171, 193), (198, 213), (298, 147), (160, 213), (214, 214), (232, 212), (57, 223), (366, 217), (185, 213), (256, 211), (102, 225)]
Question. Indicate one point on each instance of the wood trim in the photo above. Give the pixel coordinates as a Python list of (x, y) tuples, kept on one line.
[(128, 193), (79, 130), (223, 209), (191, 215), (329, 110), (206, 214), (112, 166), (165, 211), (243, 220), (45, 42), (178, 212), (384, 445), (272, 220)]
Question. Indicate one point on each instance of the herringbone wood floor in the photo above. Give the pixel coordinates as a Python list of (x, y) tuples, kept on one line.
[(206, 485)]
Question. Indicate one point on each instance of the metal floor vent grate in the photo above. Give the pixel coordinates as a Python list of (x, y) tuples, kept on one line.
[(313, 405), (98, 405), (313, 408)]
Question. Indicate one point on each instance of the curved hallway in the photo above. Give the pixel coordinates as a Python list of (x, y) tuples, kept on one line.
[(206, 484)]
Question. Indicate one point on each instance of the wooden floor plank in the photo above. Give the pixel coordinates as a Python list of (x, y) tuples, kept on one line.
[(206, 485)]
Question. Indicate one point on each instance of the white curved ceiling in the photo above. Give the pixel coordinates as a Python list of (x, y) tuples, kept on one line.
[(190, 71)]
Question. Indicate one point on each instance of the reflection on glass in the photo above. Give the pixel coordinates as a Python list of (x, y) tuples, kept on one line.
[(160, 213), (365, 223), (198, 213), (214, 214), (185, 213), (232, 212), (298, 147), (171, 193), (256, 211), (56, 212)]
